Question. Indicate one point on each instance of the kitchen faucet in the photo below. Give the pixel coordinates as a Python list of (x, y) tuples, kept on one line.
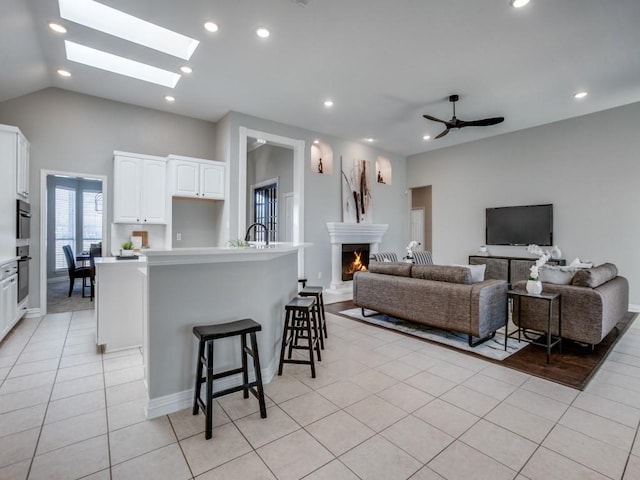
[(266, 231)]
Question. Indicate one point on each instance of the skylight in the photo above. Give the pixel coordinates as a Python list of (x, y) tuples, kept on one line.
[(120, 65), (119, 24)]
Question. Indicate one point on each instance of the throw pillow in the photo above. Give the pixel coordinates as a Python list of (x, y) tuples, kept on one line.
[(596, 276), (477, 272), (557, 274)]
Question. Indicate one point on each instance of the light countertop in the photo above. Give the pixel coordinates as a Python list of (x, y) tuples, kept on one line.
[(222, 254)]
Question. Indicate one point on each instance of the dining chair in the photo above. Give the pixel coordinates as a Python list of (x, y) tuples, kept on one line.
[(75, 271), (93, 253)]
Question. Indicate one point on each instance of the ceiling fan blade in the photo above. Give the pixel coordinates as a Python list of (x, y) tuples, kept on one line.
[(429, 117), (481, 123), (446, 130)]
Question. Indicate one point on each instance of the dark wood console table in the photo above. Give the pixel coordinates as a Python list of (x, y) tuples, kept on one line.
[(511, 269)]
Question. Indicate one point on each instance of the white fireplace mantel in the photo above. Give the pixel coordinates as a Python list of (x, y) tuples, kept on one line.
[(340, 233)]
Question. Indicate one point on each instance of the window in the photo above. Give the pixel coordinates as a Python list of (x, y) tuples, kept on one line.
[(265, 210), (65, 208)]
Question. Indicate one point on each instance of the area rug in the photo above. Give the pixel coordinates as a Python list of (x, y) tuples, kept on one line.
[(58, 299), (574, 367), (493, 348)]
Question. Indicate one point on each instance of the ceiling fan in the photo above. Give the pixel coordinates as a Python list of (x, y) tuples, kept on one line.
[(457, 123)]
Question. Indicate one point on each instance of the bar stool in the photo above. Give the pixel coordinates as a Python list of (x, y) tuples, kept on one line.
[(300, 324), (322, 319), (206, 334)]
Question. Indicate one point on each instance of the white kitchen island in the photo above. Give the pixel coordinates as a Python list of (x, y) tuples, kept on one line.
[(120, 291), (200, 286)]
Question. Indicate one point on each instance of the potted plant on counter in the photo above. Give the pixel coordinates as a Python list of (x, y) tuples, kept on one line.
[(127, 249)]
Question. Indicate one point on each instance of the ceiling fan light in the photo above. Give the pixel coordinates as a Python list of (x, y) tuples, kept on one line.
[(519, 3)]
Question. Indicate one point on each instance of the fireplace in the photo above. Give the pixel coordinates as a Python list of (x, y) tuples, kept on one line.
[(355, 258), (361, 235)]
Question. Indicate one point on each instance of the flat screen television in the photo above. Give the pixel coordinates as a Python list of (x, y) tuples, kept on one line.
[(522, 225)]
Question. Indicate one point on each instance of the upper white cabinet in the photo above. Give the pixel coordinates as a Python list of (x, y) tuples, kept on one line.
[(10, 145), (196, 178), (139, 189), (22, 177)]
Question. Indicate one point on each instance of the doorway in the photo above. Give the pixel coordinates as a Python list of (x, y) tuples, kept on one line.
[(297, 216), (73, 210), (421, 215)]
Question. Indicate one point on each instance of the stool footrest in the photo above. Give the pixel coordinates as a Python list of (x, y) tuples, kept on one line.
[(229, 390), (235, 371)]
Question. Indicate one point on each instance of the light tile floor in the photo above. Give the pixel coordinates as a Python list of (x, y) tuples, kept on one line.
[(383, 406)]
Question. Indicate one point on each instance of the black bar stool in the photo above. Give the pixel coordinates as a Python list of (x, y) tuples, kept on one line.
[(206, 335), (300, 323), (322, 319)]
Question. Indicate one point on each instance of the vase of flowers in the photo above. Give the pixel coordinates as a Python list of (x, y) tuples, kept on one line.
[(412, 244), (534, 285)]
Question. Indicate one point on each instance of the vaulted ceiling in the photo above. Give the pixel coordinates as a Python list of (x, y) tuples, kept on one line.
[(384, 63)]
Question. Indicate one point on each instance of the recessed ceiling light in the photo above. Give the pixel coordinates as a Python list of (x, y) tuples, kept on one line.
[(186, 69), (580, 95), (56, 27), (169, 98), (519, 3), (328, 103), (369, 139), (64, 73), (120, 65), (261, 141), (122, 25), (426, 137), (211, 27), (316, 142), (263, 32)]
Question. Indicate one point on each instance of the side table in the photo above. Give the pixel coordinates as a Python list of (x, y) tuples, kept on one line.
[(551, 299)]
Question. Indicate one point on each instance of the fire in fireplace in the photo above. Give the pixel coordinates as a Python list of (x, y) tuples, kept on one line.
[(355, 257)]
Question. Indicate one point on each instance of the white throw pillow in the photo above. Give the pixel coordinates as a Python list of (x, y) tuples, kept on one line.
[(556, 274), (477, 272)]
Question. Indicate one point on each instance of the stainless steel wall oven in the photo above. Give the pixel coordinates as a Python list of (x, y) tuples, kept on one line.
[(23, 272), (23, 220)]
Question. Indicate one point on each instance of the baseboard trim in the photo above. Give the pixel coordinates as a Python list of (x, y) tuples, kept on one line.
[(634, 308), (174, 402), (33, 312)]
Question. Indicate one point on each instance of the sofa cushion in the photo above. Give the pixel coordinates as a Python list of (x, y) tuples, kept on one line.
[(557, 274), (477, 272), (400, 269), (596, 276), (442, 273)]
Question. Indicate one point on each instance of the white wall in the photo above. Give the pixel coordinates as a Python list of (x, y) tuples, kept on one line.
[(78, 133), (588, 167)]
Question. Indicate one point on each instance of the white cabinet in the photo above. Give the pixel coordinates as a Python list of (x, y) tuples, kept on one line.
[(8, 304), (22, 167), (196, 178), (139, 189), (10, 141)]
